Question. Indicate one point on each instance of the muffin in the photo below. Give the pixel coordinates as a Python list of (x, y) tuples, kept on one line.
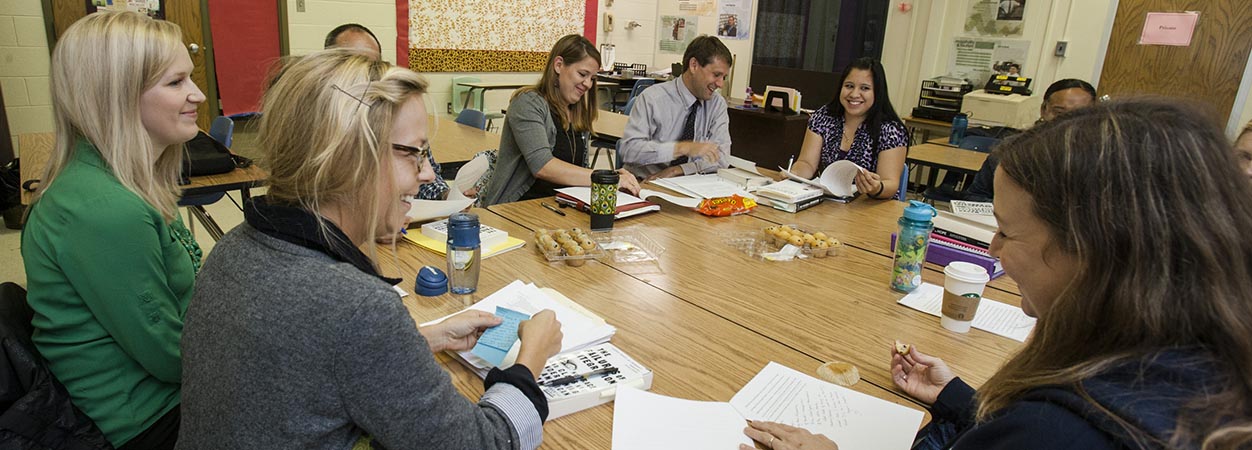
[(820, 249)]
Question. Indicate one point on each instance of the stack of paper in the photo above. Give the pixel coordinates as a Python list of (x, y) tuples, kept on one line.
[(703, 186), (777, 394), (628, 205), (581, 328)]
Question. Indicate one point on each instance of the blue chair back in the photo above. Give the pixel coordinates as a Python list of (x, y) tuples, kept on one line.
[(903, 191), (640, 85), (222, 130), (979, 143), (629, 104), (473, 118)]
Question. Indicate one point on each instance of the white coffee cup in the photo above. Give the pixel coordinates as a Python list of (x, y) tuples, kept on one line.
[(963, 284)]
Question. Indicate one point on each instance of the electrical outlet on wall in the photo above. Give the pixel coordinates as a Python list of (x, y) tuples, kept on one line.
[(1061, 47), (449, 107), (299, 5)]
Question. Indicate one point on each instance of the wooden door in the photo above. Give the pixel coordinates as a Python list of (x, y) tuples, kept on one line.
[(189, 15), (1208, 71)]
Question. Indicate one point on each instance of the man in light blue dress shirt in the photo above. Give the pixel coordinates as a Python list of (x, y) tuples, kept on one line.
[(680, 127)]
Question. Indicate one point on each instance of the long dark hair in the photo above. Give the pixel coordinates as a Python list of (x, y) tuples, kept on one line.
[(881, 111), (571, 48), (1146, 194)]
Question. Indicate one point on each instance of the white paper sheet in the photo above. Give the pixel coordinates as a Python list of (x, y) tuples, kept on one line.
[(853, 420), (838, 180), (424, 210), (580, 329), (992, 316), (686, 202), (744, 164), (703, 186), (646, 421)]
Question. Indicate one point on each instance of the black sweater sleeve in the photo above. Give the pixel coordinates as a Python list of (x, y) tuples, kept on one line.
[(1024, 425)]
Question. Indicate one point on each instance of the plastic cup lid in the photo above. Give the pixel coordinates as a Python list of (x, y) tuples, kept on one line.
[(967, 272)]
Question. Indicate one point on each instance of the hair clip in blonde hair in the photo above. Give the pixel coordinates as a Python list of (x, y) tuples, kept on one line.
[(359, 99)]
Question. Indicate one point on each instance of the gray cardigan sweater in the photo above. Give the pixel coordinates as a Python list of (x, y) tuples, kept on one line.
[(286, 347), (526, 144)]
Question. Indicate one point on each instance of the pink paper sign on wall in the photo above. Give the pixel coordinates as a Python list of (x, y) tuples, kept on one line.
[(1169, 29)]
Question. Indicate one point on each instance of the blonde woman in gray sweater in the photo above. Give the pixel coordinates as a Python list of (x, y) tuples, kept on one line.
[(293, 338)]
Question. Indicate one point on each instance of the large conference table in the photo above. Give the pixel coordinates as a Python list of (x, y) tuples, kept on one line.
[(706, 317)]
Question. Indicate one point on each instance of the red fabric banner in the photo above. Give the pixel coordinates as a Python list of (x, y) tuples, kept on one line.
[(245, 44)]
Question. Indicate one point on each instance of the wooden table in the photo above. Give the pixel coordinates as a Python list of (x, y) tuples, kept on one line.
[(865, 224), (693, 352), (836, 308), (609, 124), (452, 142), (35, 149), (945, 157), (488, 86), (926, 126)]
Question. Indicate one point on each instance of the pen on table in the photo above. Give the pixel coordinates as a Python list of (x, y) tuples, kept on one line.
[(551, 208), (790, 160), (404, 231), (579, 377)]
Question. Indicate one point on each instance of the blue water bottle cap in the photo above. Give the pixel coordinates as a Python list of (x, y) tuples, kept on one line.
[(431, 281), (463, 230), (919, 211)]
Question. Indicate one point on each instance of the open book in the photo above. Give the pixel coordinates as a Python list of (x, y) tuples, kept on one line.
[(837, 181), (780, 394), (628, 205)]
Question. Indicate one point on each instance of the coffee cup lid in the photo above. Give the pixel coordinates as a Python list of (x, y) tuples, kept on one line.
[(967, 272)]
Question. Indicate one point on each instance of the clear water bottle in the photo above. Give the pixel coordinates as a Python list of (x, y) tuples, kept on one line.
[(911, 243), (959, 124), (464, 253)]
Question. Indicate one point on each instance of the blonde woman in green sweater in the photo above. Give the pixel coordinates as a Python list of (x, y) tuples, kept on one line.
[(109, 264)]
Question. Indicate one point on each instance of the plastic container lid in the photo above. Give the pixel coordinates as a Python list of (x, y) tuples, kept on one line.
[(431, 281), (463, 230), (919, 211)]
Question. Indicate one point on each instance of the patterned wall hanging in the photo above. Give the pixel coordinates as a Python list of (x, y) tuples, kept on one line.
[(487, 35)]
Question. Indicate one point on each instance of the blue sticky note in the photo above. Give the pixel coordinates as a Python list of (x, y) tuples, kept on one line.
[(495, 343)]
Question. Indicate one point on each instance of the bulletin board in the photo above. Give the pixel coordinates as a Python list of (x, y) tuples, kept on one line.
[(488, 36)]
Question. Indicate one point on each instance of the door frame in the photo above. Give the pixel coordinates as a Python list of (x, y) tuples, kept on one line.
[(206, 46)]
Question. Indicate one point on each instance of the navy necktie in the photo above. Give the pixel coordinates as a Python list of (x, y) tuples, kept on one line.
[(689, 132)]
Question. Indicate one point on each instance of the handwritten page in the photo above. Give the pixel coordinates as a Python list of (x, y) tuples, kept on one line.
[(495, 343), (992, 316), (853, 420), (646, 421)]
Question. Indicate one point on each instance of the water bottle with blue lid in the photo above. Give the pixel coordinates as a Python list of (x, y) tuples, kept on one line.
[(911, 243)]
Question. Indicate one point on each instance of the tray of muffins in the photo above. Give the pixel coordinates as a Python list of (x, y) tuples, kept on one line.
[(575, 246), (785, 243)]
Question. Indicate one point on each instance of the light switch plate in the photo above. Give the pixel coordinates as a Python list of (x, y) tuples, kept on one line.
[(299, 5)]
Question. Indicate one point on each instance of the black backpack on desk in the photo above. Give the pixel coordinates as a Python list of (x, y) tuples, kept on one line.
[(206, 156)]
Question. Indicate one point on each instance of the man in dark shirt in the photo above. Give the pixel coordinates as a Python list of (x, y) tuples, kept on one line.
[(1061, 96)]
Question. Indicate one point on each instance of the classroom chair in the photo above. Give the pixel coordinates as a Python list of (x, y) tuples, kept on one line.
[(476, 100), (640, 85), (222, 130), (630, 104), (473, 118), (37, 409), (953, 183)]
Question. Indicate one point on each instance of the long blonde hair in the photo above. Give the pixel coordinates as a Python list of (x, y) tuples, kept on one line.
[(325, 126), (100, 68), (572, 49), (1145, 193)]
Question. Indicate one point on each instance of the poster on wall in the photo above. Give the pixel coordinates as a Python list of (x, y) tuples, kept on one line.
[(734, 18), (151, 8), (697, 7), (977, 59), (995, 17), (675, 33)]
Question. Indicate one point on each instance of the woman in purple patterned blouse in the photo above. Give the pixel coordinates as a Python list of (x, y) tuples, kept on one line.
[(859, 125)]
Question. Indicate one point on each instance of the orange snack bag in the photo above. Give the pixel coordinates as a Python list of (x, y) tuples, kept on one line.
[(726, 206)]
